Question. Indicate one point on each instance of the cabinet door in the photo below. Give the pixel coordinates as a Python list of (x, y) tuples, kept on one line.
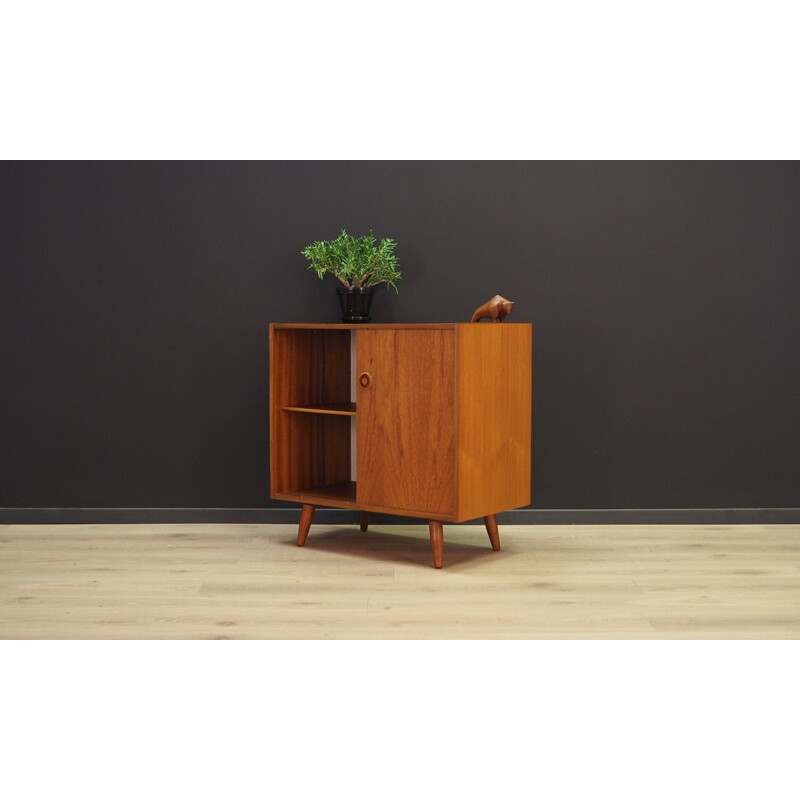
[(406, 420)]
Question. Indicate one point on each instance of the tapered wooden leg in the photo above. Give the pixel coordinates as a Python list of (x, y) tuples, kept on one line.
[(437, 542), (364, 520), (306, 516), (491, 529)]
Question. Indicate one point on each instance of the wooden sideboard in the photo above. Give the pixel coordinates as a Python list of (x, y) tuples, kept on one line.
[(430, 421)]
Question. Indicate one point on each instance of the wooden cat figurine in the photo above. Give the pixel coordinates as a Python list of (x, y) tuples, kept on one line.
[(496, 309)]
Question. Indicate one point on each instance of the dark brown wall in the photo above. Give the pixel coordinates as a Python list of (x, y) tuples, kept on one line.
[(135, 299)]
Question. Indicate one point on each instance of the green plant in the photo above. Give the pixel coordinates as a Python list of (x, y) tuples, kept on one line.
[(355, 260)]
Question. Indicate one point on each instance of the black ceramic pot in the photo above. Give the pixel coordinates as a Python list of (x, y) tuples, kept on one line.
[(355, 303)]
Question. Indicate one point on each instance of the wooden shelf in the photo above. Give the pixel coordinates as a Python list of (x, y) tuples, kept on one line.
[(341, 409), (343, 326), (340, 495), (343, 495)]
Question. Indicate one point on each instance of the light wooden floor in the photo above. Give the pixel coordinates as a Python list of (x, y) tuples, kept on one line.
[(253, 582)]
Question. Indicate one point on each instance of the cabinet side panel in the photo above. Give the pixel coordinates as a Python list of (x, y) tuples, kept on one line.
[(494, 418), (406, 420), (308, 367), (277, 398)]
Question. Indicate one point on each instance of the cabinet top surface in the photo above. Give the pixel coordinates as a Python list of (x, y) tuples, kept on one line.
[(370, 326)]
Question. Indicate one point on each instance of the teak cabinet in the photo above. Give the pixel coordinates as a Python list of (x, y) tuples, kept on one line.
[(430, 421)]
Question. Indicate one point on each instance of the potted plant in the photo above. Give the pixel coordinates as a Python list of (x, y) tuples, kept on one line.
[(360, 265)]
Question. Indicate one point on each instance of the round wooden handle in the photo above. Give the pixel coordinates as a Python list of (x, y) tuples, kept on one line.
[(365, 379)]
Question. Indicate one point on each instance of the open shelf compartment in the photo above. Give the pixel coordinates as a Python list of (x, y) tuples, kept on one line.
[(312, 415), (340, 495)]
